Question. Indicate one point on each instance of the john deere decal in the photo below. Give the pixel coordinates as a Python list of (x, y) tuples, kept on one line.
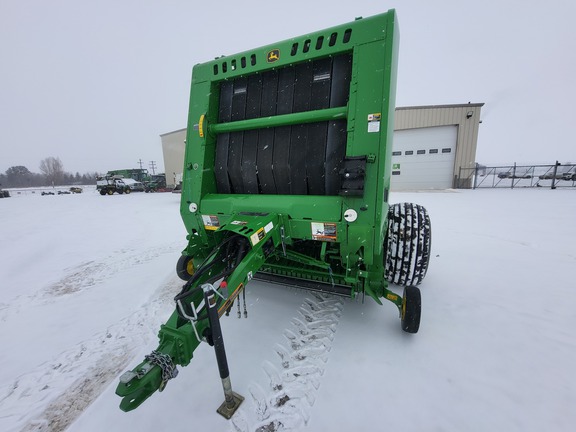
[(273, 56)]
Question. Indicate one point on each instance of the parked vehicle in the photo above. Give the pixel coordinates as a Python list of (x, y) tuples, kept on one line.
[(150, 183), (107, 185), (135, 186), (568, 176), (138, 174), (75, 189), (511, 175), (157, 183)]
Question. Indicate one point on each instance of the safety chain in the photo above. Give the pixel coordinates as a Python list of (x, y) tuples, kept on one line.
[(165, 362)]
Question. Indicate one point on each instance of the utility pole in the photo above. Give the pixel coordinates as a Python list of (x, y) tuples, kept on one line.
[(153, 167), (140, 163)]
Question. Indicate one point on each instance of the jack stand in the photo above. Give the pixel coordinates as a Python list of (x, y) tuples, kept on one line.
[(232, 400)]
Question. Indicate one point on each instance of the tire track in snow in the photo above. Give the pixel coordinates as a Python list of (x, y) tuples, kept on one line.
[(91, 273), (293, 380), (54, 394), (85, 276)]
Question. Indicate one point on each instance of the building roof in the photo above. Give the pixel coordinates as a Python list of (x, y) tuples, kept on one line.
[(441, 106)]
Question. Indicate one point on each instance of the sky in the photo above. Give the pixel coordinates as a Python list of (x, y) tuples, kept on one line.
[(96, 83)]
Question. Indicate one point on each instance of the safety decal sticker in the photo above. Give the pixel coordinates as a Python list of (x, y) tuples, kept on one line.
[(211, 222), (201, 126), (239, 223), (374, 122), (257, 236), (324, 231)]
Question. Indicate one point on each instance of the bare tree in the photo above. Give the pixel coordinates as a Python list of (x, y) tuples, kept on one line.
[(53, 169)]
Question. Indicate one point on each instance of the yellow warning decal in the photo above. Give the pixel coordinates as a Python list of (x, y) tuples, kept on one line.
[(210, 222), (374, 122), (201, 126), (392, 297), (257, 236)]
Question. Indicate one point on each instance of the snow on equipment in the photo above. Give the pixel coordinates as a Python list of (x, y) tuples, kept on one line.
[(286, 179)]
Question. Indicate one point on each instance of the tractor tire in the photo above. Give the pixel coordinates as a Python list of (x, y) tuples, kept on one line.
[(102, 192), (407, 244), (411, 309), (110, 191), (120, 191), (185, 267), (127, 191)]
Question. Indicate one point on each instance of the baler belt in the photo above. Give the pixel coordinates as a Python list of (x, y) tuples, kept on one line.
[(301, 159)]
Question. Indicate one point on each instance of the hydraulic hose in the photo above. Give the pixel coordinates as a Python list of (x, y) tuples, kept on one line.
[(240, 246)]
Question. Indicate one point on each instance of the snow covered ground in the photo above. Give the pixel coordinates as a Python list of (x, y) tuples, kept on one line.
[(86, 280)]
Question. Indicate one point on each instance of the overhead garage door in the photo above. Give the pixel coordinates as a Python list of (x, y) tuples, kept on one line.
[(423, 158)]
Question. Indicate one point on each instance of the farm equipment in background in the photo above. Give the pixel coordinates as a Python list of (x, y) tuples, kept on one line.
[(107, 185), (157, 183), (151, 183), (139, 174), (286, 179)]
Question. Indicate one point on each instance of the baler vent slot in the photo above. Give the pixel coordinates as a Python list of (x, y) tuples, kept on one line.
[(300, 159), (233, 64), (294, 49), (333, 39), (306, 45), (320, 42), (347, 36)]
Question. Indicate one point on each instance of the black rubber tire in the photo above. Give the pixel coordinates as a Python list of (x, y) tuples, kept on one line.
[(110, 191), (184, 266), (407, 245), (411, 309), (127, 190), (102, 192), (120, 191)]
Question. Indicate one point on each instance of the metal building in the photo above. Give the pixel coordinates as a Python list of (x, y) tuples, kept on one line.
[(431, 144), (173, 147)]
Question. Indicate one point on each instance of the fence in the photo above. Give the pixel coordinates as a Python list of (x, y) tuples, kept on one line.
[(517, 176)]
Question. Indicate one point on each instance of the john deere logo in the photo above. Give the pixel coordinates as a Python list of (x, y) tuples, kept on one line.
[(273, 56)]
